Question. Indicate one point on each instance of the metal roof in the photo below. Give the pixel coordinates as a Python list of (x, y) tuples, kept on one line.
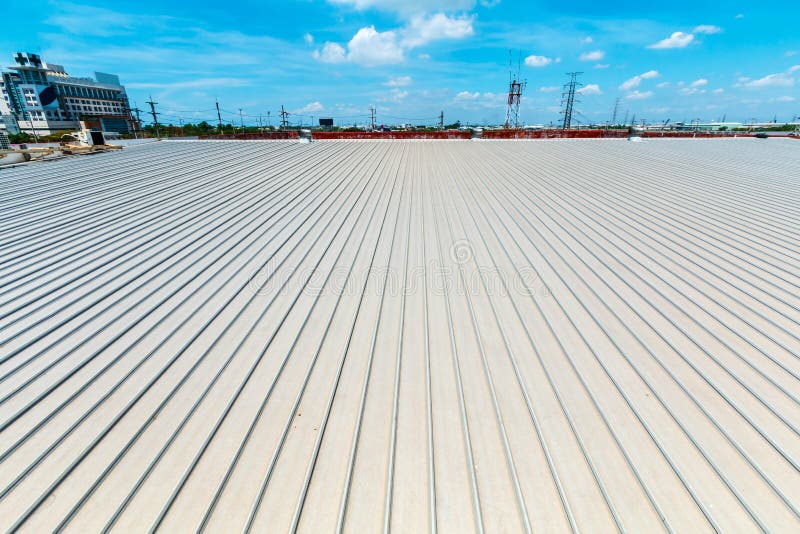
[(438, 335)]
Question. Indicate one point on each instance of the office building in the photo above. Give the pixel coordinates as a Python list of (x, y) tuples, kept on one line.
[(43, 98)]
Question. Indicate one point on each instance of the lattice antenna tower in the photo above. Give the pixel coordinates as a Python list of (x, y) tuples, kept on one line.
[(516, 86), (568, 100)]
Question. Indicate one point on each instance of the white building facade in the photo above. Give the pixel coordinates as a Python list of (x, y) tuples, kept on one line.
[(43, 99)]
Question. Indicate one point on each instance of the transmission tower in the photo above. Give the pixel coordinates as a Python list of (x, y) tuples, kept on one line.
[(614, 115), (371, 117), (568, 98), (441, 120), (515, 88)]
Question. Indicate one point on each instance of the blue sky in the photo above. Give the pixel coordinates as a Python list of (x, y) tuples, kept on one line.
[(411, 59)]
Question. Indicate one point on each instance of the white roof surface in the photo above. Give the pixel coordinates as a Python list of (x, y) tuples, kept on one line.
[(508, 336)]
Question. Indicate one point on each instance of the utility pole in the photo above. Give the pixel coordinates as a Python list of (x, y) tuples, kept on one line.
[(133, 121), (260, 124), (372, 117), (33, 127), (284, 122), (138, 119), (441, 120), (155, 115), (241, 120), (269, 120), (614, 115), (568, 99), (180, 121), (219, 117)]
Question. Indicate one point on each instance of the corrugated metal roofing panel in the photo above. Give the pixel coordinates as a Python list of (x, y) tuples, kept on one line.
[(437, 335)]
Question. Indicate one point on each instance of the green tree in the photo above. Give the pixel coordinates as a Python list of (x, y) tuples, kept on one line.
[(20, 138)]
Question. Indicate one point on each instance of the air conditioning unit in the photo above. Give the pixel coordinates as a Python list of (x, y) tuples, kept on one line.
[(89, 137)]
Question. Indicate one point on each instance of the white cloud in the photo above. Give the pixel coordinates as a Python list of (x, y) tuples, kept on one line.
[(587, 40), (783, 99), (198, 83), (477, 100), (691, 90), (424, 57), (537, 61), (707, 29), (331, 53), (395, 95), (780, 79), (408, 7), (636, 81), (370, 47), (663, 85), (790, 53), (466, 96), (595, 55), (549, 88), (398, 81), (702, 82), (591, 89), (638, 95), (739, 16), (313, 107), (718, 91), (424, 29), (98, 21), (308, 38), (602, 66), (676, 40), (367, 47)]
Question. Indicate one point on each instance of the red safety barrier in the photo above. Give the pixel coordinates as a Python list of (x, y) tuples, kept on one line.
[(554, 134), (448, 134), (693, 135), (255, 136)]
